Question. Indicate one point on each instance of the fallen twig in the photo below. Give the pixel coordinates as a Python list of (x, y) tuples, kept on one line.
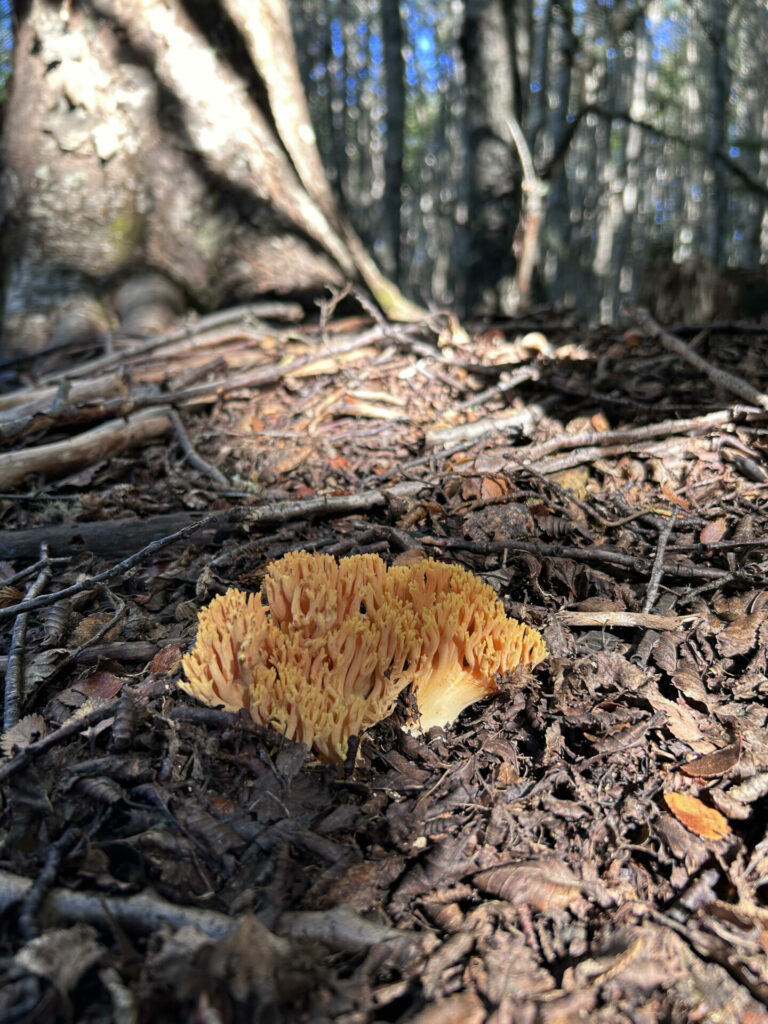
[(601, 439), (33, 899), (209, 322), (598, 554), (108, 574), (622, 620), (19, 404), (77, 723), (332, 506), (520, 419), (17, 577), (104, 537), (657, 570), (340, 928), (721, 378), (100, 443), (508, 381), (14, 672), (192, 457)]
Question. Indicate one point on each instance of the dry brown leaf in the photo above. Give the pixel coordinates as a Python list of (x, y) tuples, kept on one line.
[(100, 684), (545, 885), (43, 665), (252, 424), (682, 720), (697, 817), (166, 660), (714, 531), (222, 804), (471, 487), (491, 488), (19, 736), (740, 637), (574, 480), (665, 651), (711, 766), (506, 775), (88, 627), (689, 682), (293, 459)]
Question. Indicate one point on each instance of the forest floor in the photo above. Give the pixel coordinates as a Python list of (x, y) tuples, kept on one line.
[(589, 844)]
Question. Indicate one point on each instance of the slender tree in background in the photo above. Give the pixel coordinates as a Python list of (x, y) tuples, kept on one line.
[(394, 75), (716, 20), (491, 169)]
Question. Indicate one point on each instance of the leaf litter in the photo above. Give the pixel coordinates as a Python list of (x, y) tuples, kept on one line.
[(588, 844)]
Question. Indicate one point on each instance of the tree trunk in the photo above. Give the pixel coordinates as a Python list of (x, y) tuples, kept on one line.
[(394, 72), (493, 194), (720, 85), (131, 142)]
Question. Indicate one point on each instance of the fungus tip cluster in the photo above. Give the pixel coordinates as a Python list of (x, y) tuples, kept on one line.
[(329, 647)]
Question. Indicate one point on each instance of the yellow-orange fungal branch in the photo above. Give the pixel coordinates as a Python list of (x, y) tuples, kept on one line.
[(336, 642)]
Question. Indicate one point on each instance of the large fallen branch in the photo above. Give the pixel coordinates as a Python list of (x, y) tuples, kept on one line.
[(102, 442)]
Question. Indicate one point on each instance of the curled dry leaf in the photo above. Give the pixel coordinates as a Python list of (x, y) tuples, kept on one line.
[(711, 766), (87, 628), (545, 885), (104, 685), (697, 817), (714, 531), (166, 660), (19, 736)]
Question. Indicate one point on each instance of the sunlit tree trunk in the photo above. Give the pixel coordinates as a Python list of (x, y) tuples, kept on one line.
[(130, 142), (625, 253)]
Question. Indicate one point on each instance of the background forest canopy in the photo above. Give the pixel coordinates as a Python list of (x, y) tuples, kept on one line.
[(646, 123)]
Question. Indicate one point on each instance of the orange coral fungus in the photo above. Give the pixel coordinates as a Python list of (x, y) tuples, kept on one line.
[(325, 658), (466, 638), (336, 642)]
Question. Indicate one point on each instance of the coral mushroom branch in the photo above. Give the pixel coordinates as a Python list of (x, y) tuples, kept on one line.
[(330, 651)]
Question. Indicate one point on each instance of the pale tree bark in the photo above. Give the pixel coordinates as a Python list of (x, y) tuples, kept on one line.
[(131, 142), (529, 227), (266, 28)]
